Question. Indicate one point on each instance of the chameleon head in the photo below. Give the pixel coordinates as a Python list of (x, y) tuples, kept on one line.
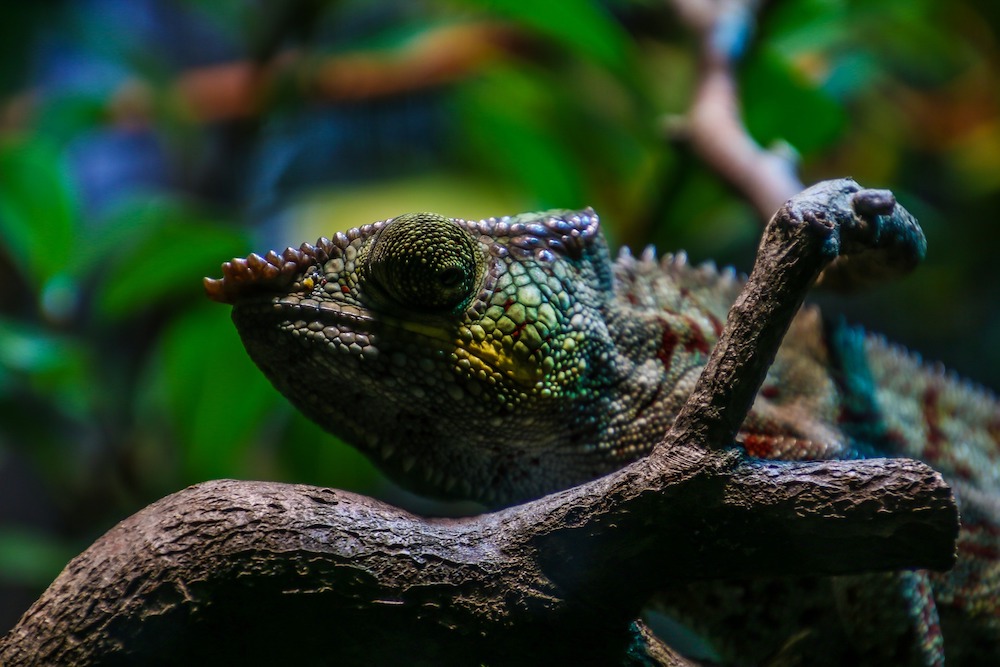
[(466, 358)]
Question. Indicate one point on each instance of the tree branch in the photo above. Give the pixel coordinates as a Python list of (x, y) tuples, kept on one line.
[(259, 573), (715, 130), (713, 126), (230, 566)]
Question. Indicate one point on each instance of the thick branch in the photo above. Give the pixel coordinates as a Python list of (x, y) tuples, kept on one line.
[(265, 573), (230, 566)]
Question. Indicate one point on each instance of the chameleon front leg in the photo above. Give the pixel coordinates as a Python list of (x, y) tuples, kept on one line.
[(830, 221)]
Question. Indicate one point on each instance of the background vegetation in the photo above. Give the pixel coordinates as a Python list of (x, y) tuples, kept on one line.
[(143, 142)]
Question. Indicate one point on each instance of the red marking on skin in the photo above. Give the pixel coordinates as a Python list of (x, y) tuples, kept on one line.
[(667, 344), (631, 298), (959, 600), (972, 527), (928, 608), (848, 416), (935, 436), (345, 289), (716, 325), (993, 430), (897, 439), (963, 470), (690, 336), (780, 446), (697, 341), (518, 328), (981, 551), (770, 391), (756, 444)]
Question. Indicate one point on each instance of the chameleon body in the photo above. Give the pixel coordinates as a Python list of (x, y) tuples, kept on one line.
[(502, 359)]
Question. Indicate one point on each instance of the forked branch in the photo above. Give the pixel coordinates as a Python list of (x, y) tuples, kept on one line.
[(262, 573)]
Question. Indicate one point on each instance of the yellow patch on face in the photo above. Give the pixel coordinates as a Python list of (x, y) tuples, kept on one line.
[(490, 355), (426, 330), (521, 369)]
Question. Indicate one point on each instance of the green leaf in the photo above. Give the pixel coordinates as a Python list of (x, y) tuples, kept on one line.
[(217, 398), (807, 25), (161, 252), (779, 104), (28, 558), (583, 27), (38, 210), (519, 138), (65, 117), (49, 364), (535, 159), (28, 349)]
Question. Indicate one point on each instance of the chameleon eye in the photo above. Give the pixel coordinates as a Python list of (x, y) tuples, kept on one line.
[(423, 261)]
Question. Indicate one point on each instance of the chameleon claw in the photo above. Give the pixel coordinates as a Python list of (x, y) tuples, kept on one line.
[(869, 203)]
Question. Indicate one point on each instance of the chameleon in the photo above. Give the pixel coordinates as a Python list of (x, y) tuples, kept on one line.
[(502, 359)]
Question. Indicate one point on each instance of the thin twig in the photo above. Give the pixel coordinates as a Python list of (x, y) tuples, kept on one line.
[(713, 126)]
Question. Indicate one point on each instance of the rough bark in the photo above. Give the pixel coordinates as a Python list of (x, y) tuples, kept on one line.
[(261, 573)]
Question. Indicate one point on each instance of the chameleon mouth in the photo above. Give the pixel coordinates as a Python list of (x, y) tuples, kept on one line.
[(291, 308), (253, 275)]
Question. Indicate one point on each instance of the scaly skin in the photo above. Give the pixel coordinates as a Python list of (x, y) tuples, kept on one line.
[(504, 359)]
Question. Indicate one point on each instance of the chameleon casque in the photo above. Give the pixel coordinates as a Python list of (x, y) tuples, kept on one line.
[(503, 359)]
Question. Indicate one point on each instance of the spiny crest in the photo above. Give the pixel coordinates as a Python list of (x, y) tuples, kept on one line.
[(941, 417), (542, 236), (973, 396), (654, 283), (254, 274)]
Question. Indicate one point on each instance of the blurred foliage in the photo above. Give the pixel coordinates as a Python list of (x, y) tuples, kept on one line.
[(131, 166)]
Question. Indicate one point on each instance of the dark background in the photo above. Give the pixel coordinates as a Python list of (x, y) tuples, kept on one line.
[(133, 162)]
